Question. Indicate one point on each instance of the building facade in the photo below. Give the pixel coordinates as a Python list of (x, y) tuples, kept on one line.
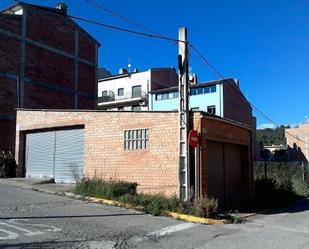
[(221, 98), (135, 147), (130, 91), (46, 61), (298, 140)]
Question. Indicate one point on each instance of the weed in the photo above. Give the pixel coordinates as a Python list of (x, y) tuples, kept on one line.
[(206, 207)]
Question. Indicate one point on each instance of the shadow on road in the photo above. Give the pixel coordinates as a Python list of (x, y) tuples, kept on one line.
[(299, 206), (69, 216)]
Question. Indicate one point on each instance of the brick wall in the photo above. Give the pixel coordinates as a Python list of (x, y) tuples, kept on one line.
[(9, 54), (225, 160), (154, 169), (235, 106), (11, 23), (46, 28), (50, 65)]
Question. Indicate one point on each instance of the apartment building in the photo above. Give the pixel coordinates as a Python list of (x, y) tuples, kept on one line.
[(221, 97), (130, 90), (46, 61)]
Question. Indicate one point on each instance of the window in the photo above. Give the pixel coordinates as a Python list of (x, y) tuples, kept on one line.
[(203, 90), (136, 108), (137, 139), (136, 91), (199, 90), (195, 109), (207, 89), (104, 93), (164, 96), (213, 89), (120, 92), (211, 109)]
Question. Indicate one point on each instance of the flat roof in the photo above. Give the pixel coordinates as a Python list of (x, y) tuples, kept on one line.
[(212, 116), (208, 83)]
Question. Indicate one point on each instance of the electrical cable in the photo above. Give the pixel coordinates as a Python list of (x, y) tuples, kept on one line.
[(252, 105)]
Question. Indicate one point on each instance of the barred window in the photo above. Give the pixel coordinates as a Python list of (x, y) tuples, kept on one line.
[(137, 139)]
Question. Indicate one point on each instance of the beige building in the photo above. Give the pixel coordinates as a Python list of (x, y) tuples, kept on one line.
[(139, 146), (298, 138)]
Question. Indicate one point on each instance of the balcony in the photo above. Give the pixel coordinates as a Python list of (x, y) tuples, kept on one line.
[(110, 97), (112, 101)]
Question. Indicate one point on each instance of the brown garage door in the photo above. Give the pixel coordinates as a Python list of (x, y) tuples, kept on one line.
[(224, 171)]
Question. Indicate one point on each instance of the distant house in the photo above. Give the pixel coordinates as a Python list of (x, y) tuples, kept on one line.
[(46, 61), (130, 90), (298, 139), (221, 98)]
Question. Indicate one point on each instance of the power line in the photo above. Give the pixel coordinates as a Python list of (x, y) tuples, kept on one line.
[(252, 105), (124, 30), (100, 6), (159, 36)]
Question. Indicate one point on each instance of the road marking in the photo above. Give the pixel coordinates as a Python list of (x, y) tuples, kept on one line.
[(19, 225), (26, 231), (162, 232), (10, 235), (49, 228)]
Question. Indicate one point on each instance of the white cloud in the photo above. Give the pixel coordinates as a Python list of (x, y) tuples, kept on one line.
[(267, 125)]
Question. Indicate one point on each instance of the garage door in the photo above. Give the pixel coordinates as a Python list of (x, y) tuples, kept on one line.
[(40, 155), (55, 154)]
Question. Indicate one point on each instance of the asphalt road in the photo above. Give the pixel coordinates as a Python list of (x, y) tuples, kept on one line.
[(30, 219)]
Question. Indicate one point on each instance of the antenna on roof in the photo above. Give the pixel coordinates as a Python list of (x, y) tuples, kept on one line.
[(129, 65)]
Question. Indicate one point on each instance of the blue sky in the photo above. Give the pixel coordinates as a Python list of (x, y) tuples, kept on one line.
[(263, 43)]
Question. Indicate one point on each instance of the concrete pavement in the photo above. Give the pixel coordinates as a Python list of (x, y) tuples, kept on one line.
[(32, 219), (42, 185)]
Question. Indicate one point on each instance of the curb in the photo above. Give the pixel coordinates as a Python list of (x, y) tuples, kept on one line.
[(195, 219), (184, 217)]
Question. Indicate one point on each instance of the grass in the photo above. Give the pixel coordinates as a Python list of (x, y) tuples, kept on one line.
[(105, 189), (158, 204), (7, 165), (285, 183)]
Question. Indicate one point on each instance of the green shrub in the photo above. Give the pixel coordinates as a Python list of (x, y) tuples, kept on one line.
[(300, 187), (153, 204), (106, 189), (7, 165), (235, 218), (206, 207), (271, 192)]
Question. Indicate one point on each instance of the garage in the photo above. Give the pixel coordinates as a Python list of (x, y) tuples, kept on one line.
[(225, 166), (57, 154)]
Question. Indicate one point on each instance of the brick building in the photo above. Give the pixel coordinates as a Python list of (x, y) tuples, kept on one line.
[(139, 146), (46, 61)]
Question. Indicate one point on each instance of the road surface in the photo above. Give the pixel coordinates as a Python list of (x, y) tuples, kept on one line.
[(30, 219)]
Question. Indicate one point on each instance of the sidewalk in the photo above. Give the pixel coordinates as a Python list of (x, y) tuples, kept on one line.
[(42, 185)]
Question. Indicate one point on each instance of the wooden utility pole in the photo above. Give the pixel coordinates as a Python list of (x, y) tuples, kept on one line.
[(184, 163)]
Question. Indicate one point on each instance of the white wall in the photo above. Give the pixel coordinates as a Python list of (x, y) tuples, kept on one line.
[(135, 79)]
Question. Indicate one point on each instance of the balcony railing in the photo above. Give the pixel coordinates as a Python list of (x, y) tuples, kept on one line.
[(126, 96)]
